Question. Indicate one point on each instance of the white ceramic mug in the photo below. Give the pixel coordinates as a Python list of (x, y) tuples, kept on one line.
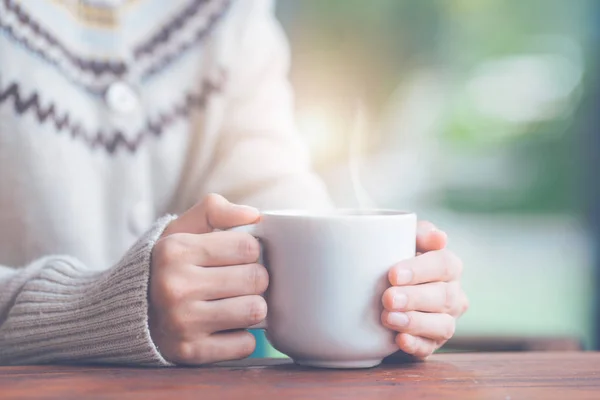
[(327, 275)]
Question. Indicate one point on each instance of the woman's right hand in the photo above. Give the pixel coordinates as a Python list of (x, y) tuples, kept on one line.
[(205, 286)]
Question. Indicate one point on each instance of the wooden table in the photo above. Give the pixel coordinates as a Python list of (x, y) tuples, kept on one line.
[(505, 376)]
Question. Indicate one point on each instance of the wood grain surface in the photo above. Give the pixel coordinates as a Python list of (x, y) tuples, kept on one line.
[(505, 376)]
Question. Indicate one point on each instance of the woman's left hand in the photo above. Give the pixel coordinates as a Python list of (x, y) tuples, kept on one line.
[(426, 297)]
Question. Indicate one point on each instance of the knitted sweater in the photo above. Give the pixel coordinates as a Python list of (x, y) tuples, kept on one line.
[(113, 114)]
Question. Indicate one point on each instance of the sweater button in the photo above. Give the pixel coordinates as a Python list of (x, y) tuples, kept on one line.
[(140, 218), (121, 98)]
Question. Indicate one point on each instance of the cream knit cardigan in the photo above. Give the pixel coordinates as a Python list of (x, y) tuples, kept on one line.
[(115, 116)]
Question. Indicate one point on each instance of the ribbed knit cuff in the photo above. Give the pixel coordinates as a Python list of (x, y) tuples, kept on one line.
[(68, 313)]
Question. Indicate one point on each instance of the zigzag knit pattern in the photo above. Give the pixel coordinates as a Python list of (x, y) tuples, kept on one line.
[(183, 31), (109, 141), (26, 22)]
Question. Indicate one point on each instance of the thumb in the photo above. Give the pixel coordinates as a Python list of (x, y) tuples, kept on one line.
[(430, 238), (214, 212)]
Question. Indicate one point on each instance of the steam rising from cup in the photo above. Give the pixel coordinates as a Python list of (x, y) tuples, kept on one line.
[(358, 131)]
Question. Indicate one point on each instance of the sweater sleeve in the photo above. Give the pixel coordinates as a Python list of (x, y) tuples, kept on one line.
[(57, 310), (261, 160)]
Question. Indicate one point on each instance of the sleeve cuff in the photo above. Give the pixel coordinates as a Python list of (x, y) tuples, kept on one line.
[(68, 313)]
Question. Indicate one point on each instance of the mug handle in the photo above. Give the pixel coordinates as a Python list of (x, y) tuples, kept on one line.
[(254, 230)]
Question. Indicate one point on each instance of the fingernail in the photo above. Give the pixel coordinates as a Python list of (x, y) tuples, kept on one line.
[(403, 276), (246, 208), (426, 229), (410, 344), (399, 301), (397, 319)]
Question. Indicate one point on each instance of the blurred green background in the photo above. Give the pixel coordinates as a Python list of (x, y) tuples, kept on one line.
[(468, 112)]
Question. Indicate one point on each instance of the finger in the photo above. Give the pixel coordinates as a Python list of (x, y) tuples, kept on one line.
[(233, 313), (435, 266), (213, 249), (227, 248), (416, 346), (429, 325), (233, 281), (214, 212), (225, 346), (430, 238), (437, 297), (464, 304)]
